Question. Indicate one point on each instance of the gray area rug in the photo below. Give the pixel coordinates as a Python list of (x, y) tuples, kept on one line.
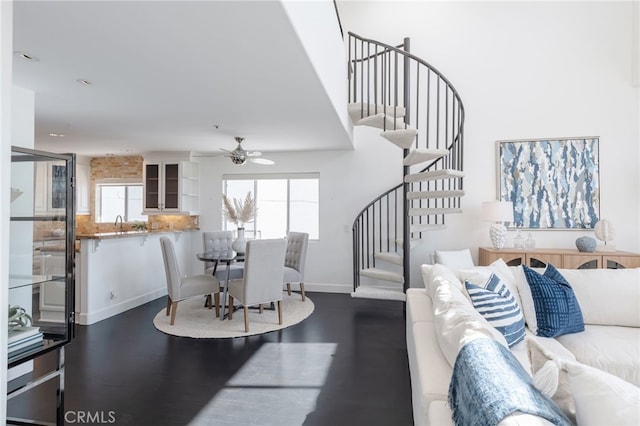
[(194, 320)]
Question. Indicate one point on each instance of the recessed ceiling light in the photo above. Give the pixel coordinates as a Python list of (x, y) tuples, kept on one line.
[(26, 56), (84, 82), (56, 135)]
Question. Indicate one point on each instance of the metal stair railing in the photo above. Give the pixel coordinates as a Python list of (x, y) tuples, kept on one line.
[(385, 79)]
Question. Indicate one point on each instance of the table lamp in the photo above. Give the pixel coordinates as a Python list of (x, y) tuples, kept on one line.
[(497, 212)]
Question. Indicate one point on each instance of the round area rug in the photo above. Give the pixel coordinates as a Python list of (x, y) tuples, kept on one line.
[(194, 320)]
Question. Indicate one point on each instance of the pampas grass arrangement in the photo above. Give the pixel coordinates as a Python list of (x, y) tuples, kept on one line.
[(239, 211)]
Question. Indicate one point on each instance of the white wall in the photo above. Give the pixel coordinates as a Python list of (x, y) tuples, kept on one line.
[(348, 181), (321, 43), (524, 70), (527, 70)]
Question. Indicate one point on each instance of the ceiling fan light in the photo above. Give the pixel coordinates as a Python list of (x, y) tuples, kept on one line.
[(264, 161)]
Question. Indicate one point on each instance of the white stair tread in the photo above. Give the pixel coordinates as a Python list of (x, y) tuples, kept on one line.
[(381, 274), (425, 227), (381, 120), (414, 242), (434, 174), (415, 195), (391, 257), (404, 138), (359, 110), (418, 156), (378, 293), (428, 211)]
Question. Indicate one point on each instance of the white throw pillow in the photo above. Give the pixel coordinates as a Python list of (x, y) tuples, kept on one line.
[(432, 275), (602, 398), (548, 376), (457, 322), (526, 300), (454, 259)]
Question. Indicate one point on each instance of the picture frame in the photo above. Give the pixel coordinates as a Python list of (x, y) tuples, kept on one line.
[(552, 183)]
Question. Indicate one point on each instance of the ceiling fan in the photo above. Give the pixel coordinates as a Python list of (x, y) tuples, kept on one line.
[(240, 156)]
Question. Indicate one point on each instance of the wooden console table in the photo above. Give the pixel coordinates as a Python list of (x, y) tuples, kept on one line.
[(560, 258)]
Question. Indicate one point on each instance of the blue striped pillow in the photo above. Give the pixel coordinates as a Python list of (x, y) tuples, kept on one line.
[(497, 305)]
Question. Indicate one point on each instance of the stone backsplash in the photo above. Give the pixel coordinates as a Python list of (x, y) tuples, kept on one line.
[(127, 167)]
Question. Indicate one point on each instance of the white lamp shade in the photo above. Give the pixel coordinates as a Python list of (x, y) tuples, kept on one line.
[(497, 211)]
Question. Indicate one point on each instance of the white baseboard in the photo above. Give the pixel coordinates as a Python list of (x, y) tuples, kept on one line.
[(85, 318), (326, 288)]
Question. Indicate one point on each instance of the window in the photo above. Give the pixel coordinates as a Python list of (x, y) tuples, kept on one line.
[(124, 199), (285, 202)]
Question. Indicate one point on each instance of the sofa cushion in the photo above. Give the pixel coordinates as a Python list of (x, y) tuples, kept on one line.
[(497, 305), (602, 398), (430, 371), (454, 259), (557, 309), (607, 296), (615, 350), (420, 308)]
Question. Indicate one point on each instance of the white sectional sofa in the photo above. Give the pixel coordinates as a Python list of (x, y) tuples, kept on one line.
[(441, 319)]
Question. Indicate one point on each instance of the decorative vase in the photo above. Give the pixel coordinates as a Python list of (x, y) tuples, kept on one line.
[(239, 244), (586, 244), (498, 235), (518, 241)]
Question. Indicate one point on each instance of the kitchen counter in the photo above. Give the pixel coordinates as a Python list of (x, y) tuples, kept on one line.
[(104, 235), (119, 271)]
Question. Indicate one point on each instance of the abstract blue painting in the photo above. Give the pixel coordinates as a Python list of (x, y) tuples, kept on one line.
[(552, 183)]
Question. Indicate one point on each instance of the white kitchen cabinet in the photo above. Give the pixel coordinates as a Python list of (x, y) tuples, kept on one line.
[(83, 178), (50, 191), (171, 187)]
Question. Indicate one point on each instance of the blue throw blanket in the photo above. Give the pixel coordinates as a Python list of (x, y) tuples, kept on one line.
[(488, 384)]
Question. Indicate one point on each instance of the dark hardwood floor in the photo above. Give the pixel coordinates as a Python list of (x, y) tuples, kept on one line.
[(132, 374)]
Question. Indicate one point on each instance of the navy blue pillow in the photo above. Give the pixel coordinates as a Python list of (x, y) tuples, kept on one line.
[(557, 309)]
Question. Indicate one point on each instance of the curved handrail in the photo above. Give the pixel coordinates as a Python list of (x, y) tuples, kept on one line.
[(410, 56)]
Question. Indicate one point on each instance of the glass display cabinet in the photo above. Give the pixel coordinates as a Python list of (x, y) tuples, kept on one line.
[(41, 267)]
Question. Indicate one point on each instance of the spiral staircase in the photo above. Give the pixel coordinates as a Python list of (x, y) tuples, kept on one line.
[(419, 111)]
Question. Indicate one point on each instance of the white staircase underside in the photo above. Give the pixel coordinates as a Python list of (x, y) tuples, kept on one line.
[(435, 174), (419, 195), (414, 242), (404, 138), (390, 256), (431, 211), (381, 120), (418, 156), (426, 227), (381, 274), (366, 292), (359, 110)]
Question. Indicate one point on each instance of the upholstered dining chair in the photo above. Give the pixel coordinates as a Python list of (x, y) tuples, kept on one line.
[(294, 260), (220, 240), (181, 287), (262, 279)]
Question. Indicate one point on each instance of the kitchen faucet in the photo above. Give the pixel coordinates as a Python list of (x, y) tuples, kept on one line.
[(121, 223)]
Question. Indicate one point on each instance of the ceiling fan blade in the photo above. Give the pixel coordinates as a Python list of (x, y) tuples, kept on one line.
[(225, 150), (264, 161), (254, 154)]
